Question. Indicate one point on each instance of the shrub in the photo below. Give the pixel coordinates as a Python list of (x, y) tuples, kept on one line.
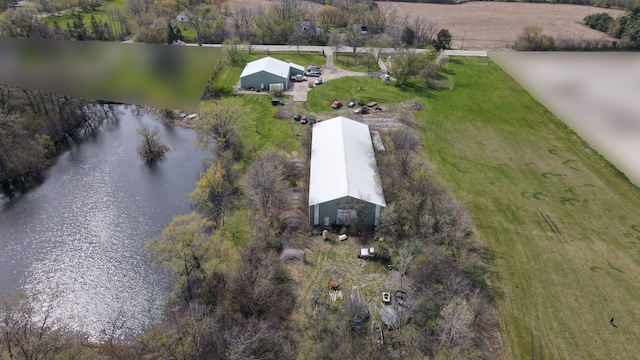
[(601, 21)]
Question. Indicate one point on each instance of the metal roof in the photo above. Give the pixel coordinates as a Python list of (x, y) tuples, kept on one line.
[(296, 66), (343, 163), (268, 64)]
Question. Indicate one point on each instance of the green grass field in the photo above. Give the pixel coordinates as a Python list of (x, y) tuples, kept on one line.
[(363, 88), (561, 222), (356, 61), (100, 14), (261, 129)]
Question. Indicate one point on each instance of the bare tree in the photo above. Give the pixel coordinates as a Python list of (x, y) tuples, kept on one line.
[(424, 30), (337, 42), (150, 148), (455, 323), (233, 48), (28, 329), (242, 23), (404, 259), (217, 125), (265, 182), (376, 45)]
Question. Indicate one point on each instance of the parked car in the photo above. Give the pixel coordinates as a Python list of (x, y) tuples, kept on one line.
[(336, 105), (296, 117), (363, 110), (313, 68), (351, 104), (312, 119), (318, 81), (386, 77), (303, 120), (313, 73), (298, 78)]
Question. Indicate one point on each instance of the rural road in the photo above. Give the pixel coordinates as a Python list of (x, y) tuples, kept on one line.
[(329, 50)]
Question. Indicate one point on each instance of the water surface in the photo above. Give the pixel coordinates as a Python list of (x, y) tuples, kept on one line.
[(82, 231)]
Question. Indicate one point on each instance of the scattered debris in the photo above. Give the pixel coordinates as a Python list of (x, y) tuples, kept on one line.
[(386, 297), (390, 317), (377, 141), (359, 309), (371, 253), (335, 295), (292, 256), (334, 284), (401, 299)]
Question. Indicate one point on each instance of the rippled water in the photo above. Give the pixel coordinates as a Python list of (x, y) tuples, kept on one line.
[(82, 232)]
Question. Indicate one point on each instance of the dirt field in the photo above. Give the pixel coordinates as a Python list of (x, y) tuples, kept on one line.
[(491, 25)]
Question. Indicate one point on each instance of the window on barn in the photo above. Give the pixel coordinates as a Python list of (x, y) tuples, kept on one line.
[(345, 217)]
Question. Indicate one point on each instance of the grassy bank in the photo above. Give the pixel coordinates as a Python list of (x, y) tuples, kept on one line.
[(561, 224)]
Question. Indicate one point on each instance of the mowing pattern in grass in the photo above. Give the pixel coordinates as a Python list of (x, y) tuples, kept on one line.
[(358, 88), (560, 222)]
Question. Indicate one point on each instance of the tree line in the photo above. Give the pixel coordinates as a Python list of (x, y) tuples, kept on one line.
[(625, 28), (34, 125), (356, 24), (232, 297), (452, 315)]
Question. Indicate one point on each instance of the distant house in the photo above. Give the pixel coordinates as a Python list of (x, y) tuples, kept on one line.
[(307, 29), (184, 16), (260, 74), (343, 183)]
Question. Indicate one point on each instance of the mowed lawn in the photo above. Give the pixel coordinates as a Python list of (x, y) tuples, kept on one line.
[(563, 226)]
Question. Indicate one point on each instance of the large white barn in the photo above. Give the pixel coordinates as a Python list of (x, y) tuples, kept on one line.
[(262, 73), (344, 185)]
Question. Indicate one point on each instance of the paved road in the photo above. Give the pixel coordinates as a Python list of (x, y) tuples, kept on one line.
[(328, 50)]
